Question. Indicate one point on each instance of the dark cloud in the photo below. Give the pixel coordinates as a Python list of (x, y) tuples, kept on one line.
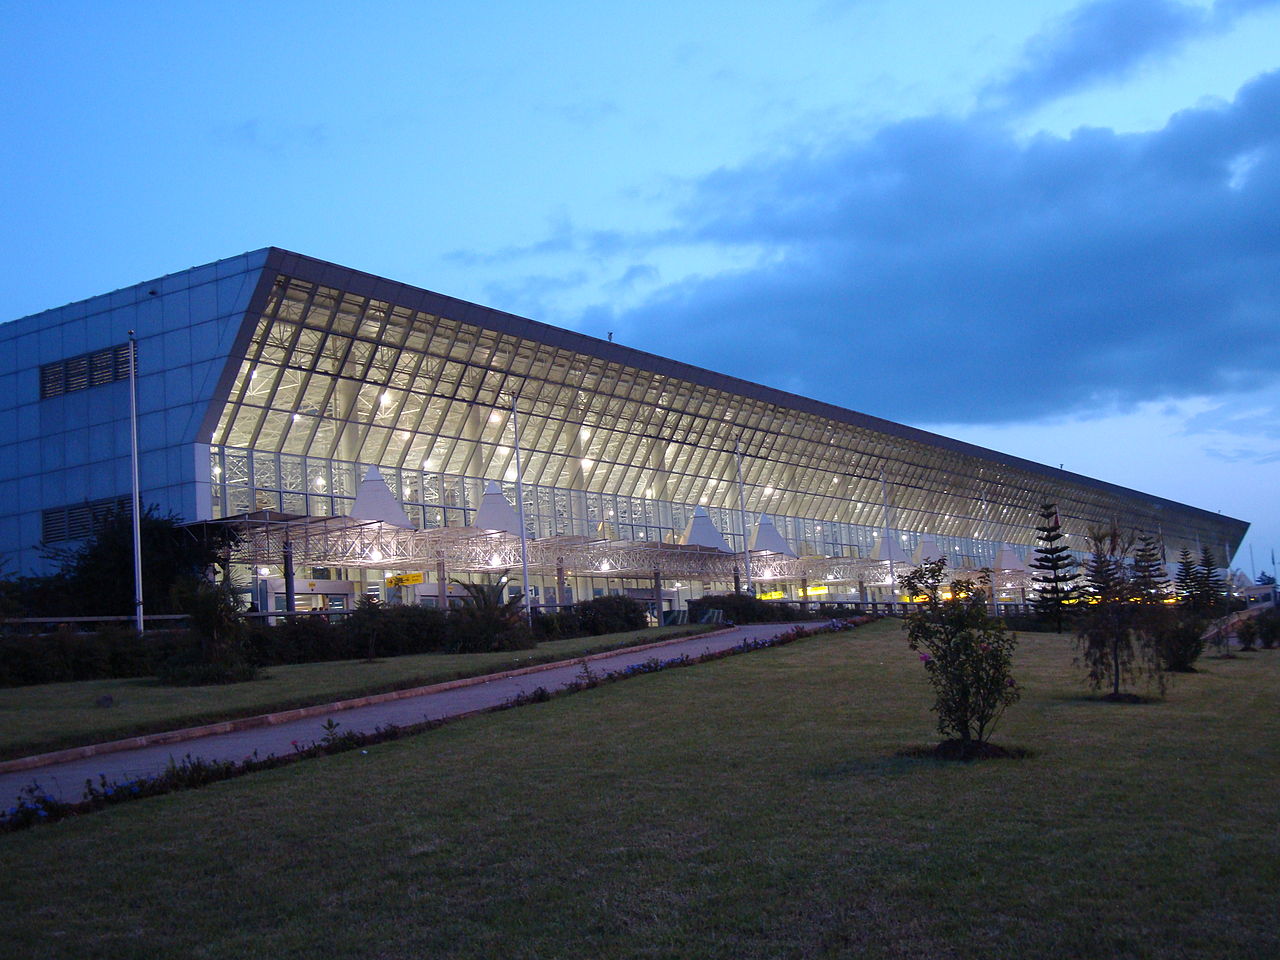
[(946, 270), (1106, 40)]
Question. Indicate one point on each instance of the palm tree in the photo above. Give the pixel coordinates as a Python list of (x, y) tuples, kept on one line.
[(486, 621)]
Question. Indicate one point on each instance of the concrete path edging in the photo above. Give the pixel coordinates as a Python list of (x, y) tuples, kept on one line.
[(183, 734)]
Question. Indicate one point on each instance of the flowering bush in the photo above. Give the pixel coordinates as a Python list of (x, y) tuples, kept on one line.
[(967, 654), (31, 807)]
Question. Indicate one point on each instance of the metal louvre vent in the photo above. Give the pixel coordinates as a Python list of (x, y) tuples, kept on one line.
[(84, 371), (81, 520)]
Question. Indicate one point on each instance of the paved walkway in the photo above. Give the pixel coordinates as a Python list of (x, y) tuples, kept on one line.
[(65, 780)]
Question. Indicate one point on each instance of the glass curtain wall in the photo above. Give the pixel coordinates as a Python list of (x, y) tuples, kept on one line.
[(332, 383)]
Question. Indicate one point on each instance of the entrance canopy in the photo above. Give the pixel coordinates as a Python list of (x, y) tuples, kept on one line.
[(349, 542)]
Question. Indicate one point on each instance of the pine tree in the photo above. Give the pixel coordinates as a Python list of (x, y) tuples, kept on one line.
[(1105, 577), (1185, 583), (1210, 587), (1057, 586), (1147, 579)]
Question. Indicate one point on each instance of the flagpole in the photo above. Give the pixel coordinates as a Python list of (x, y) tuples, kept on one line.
[(137, 492)]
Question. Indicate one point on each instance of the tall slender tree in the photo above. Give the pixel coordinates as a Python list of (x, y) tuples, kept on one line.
[(1056, 581), (1147, 577), (1211, 589), (1115, 644), (1185, 583)]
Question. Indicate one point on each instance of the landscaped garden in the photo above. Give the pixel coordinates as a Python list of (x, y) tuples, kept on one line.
[(775, 804)]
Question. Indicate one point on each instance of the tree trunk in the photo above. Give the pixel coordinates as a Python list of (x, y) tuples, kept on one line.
[(1115, 666)]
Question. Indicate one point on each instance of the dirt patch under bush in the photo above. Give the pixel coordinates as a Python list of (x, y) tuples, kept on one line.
[(957, 750)]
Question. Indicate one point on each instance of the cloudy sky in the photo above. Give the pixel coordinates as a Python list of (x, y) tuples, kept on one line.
[(1048, 227)]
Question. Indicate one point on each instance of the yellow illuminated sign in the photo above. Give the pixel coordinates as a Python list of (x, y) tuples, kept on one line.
[(781, 594), (404, 579)]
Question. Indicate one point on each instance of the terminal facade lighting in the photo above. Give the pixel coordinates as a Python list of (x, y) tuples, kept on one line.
[(271, 384)]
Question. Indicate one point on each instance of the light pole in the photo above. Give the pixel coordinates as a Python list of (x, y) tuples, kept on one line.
[(524, 536), (742, 509), (884, 498), (137, 490)]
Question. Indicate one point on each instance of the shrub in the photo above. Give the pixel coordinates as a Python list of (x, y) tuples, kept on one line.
[(742, 608), (413, 629), (115, 650), (560, 625), (222, 654), (610, 614), (298, 639), (1247, 634), (1179, 639), (1268, 628), (967, 654)]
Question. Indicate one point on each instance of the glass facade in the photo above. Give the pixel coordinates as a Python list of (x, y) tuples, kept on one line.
[(273, 382), (333, 381)]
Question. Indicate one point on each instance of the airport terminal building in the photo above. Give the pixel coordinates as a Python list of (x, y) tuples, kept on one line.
[(385, 437)]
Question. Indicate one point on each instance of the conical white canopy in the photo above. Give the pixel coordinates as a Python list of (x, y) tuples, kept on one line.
[(1007, 559), (766, 537), (701, 532), (375, 502), (893, 551), (495, 513), (928, 549)]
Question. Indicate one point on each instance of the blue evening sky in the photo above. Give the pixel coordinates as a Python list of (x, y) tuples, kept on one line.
[(1045, 226)]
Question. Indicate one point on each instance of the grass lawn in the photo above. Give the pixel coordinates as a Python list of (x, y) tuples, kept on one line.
[(754, 807), (56, 715)]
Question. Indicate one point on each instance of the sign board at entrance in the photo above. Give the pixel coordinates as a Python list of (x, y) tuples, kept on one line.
[(404, 579)]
